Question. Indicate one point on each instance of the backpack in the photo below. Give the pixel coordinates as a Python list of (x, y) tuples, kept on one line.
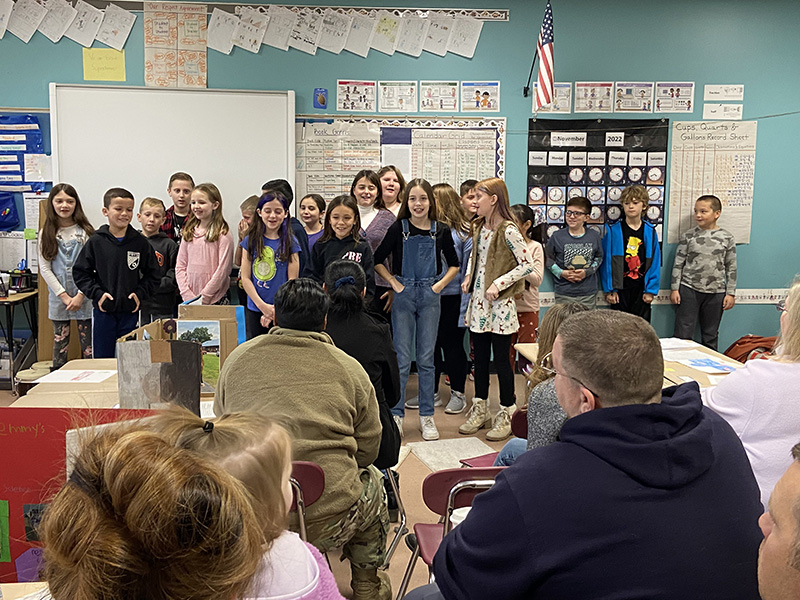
[(751, 346)]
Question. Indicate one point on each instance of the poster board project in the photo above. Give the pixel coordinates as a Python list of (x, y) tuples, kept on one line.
[(115, 136), (331, 151), (33, 447)]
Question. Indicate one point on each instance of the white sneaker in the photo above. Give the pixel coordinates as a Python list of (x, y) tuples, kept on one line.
[(413, 403), (457, 404), (428, 428), (399, 422), (501, 426)]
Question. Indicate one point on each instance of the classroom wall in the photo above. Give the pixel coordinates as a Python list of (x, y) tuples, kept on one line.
[(713, 41)]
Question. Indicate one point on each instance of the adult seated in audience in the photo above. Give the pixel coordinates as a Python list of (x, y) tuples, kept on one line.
[(139, 518), (761, 401), (545, 416), (779, 556), (295, 373), (647, 494), (368, 339)]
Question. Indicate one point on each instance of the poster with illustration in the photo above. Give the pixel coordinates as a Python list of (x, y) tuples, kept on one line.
[(480, 96)]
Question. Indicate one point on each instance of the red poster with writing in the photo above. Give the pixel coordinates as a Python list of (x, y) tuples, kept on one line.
[(32, 469)]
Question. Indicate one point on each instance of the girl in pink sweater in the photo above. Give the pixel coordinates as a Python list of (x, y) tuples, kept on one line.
[(205, 257)]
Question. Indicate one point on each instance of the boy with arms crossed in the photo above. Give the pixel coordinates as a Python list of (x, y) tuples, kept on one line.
[(704, 274), (117, 268)]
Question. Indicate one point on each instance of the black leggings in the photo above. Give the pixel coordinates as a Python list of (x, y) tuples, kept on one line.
[(450, 341), (486, 345), (252, 323)]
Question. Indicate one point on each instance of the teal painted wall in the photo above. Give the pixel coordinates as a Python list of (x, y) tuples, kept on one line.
[(713, 41)]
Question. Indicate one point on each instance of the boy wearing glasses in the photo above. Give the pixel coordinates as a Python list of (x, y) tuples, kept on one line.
[(631, 269), (704, 274), (574, 255)]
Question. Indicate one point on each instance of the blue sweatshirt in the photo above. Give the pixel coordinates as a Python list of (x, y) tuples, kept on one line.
[(641, 502)]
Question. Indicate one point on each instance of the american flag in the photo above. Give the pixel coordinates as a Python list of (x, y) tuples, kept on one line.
[(544, 49)]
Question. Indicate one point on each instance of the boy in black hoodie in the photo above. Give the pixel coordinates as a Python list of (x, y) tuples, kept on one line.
[(116, 268), (161, 305)]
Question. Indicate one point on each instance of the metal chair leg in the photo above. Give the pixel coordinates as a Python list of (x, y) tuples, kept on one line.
[(301, 508), (407, 575), (400, 530)]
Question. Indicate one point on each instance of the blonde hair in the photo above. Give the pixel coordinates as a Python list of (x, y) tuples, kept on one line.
[(140, 518), (548, 329), (494, 186), (451, 212), (218, 226), (255, 449), (634, 192), (149, 201), (250, 204), (788, 346)]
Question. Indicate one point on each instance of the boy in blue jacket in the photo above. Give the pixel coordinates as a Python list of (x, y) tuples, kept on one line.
[(630, 273)]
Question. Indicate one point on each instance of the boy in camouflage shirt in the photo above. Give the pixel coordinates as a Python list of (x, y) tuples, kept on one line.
[(704, 274)]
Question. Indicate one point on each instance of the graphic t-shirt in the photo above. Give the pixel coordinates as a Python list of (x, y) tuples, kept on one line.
[(177, 224), (267, 272), (633, 276)]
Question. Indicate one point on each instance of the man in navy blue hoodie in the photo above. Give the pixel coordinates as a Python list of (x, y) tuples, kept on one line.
[(646, 495)]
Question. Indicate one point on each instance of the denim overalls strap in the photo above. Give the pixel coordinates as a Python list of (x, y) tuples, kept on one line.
[(61, 266), (419, 256)]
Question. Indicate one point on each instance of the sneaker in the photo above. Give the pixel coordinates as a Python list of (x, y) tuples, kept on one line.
[(501, 426), (428, 428), (398, 420), (458, 403), (413, 403), (477, 417)]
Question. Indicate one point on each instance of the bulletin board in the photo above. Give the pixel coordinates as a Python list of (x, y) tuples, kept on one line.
[(596, 159), (331, 151), (33, 447)]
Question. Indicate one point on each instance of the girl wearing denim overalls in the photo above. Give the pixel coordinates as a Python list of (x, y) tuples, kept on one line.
[(416, 244), (61, 239)]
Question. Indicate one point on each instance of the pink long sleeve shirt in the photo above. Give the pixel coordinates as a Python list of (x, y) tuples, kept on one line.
[(204, 268)]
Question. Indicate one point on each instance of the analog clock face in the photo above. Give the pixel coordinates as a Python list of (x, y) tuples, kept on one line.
[(635, 174), (575, 191), (596, 174), (552, 229), (596, 213), (654, 174), (613, 212), (654, 194), (595, 194), (555, 194), (576, 174), (616, 174), (653, 212), (536, 194), (554, 213), (614, 194)]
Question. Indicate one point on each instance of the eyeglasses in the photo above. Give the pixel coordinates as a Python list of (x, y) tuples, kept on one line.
[(781, 306), (547, 366), (575, 213)]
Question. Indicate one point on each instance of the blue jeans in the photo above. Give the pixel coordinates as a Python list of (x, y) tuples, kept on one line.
[(416, 309), (510, 452), (107, 327)]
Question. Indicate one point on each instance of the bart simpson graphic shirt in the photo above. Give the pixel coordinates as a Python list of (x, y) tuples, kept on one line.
[(634, 256)]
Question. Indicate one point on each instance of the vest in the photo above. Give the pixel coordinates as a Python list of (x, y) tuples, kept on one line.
[(499, 261)]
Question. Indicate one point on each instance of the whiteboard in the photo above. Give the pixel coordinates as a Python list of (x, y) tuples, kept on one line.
[(136, 137)]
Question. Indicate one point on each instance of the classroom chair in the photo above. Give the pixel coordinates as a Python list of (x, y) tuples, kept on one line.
[(519, 427), (308, 483), (400, 530), (443, 492)]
